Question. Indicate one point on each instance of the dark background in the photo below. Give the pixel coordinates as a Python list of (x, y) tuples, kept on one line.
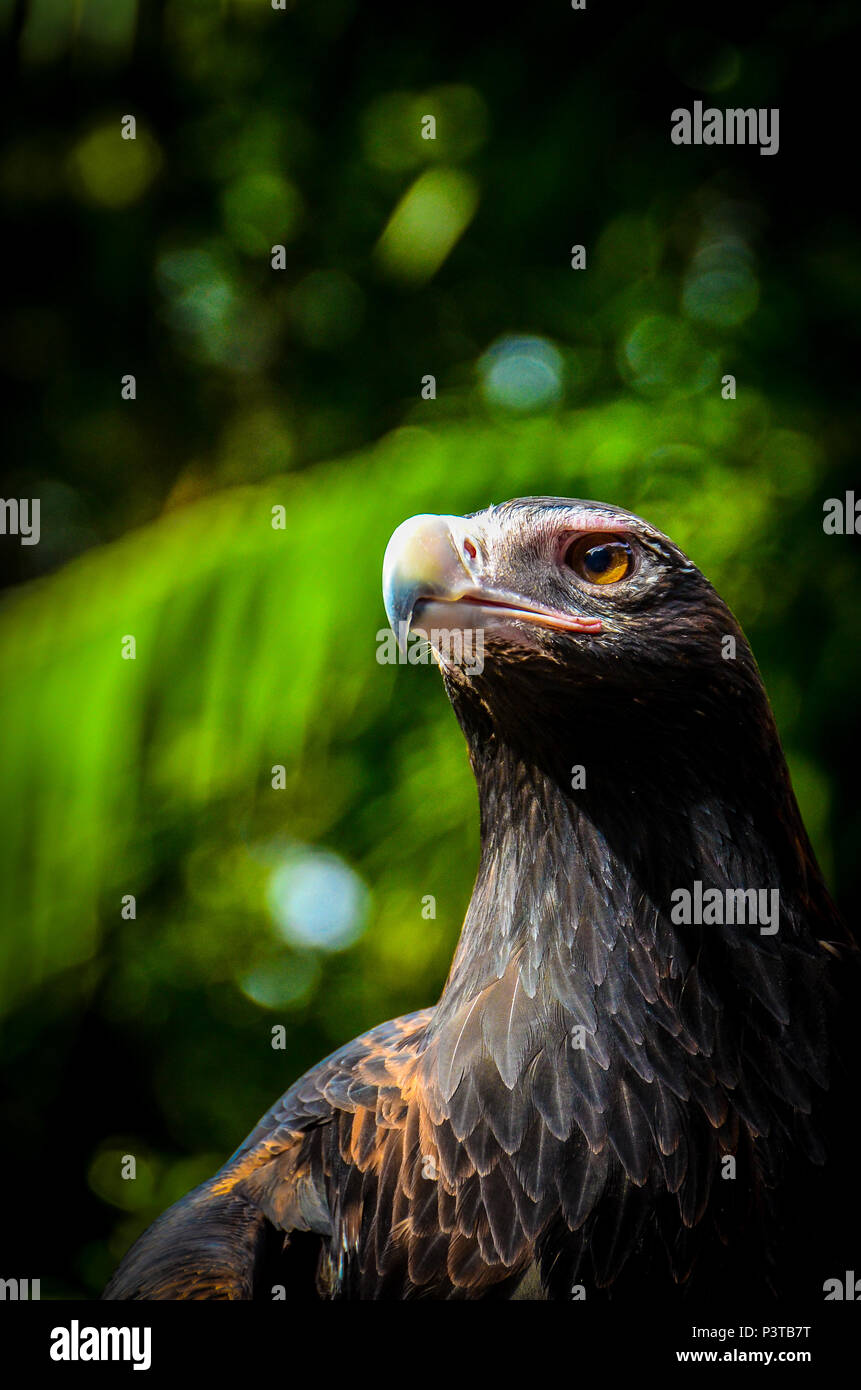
[(256, 647)]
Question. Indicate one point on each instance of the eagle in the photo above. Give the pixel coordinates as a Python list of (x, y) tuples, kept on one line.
[(630, 1082)]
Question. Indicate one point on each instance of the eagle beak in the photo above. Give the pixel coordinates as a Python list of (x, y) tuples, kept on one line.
[(434, 577), (427, 558)]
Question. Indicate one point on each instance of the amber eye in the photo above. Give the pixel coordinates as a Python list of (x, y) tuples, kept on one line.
[(600, 562)]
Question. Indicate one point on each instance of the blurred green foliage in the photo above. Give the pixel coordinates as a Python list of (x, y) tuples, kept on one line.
[(257, 389)]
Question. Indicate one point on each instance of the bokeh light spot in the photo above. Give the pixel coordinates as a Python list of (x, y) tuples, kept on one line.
[(427, 222), (724, 296), (317, 900), (259, 210), (521, 373), (111, 171), (282, 983), (662, 356), (392, 127)]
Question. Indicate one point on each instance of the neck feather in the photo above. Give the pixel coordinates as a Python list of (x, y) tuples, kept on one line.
[(571, 867)]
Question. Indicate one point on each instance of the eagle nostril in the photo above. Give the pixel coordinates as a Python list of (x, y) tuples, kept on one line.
[(469, 549)]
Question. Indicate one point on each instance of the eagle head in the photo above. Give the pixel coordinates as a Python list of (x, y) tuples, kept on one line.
[(544, 610)]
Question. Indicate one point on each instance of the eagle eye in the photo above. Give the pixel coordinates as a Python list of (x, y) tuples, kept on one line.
[(602, 561)]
